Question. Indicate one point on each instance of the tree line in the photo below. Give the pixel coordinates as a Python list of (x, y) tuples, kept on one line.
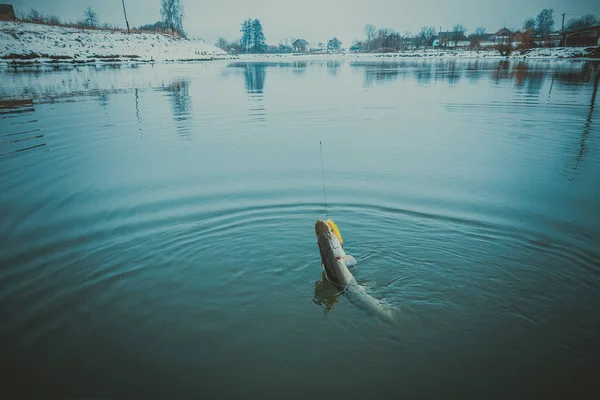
[(171, 13), (384, 40)]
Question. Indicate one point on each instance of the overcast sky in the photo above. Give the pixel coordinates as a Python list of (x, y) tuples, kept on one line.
[(319, 20)]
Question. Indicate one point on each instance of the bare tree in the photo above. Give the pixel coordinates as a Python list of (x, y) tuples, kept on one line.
[(479, 32), (584, 22), (91, 18), (393, 42), (477, 36), (370, 33), (35, 16), (378, 41), (529, 23), (235, 47), (334, 44), (171, 12), (222, 44), (426, 36), (52, 20), (407, 40), (458, 33)]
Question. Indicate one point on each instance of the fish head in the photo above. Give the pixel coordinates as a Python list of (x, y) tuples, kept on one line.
[(323, 228), (332, 253)]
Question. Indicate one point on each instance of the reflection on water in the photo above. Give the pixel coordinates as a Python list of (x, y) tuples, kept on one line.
[(299, 68), (473, 71), (531, 79), (588, 122), (454, 73), (254, 77), (468, 188), (181, 103), (424, 74), (137, 105), (333, 67), (254, 81), (15, 136), (501, 72), (326, 293), (527, 75), (382, 72), (103, 98), (180, 99)]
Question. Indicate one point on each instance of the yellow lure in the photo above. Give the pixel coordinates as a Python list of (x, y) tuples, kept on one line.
[(335, 229)]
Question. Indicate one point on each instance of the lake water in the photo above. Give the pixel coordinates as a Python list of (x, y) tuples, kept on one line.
[(157, 229)]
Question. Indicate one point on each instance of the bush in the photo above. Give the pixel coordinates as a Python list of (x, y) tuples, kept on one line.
[(527, 44), (35, 16), (52, 20), (505, 49), (475, 42)]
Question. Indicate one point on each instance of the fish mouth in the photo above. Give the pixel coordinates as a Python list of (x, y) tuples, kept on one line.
[(321, 228)]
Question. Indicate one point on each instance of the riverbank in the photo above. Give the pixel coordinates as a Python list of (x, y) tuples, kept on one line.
[(537, 53), (27, 43)]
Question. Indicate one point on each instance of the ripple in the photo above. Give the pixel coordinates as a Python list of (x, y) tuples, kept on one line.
[(162, 222)]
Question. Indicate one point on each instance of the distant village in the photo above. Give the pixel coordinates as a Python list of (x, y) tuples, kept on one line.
[(535, 32), (583, 31), (385, 40), (451, 40)]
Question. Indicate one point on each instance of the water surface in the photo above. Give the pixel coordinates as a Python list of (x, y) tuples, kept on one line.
[(157, 229)]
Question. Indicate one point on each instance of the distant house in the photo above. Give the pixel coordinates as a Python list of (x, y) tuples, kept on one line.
[(443, 39), (504, 35), (358, 46), (300, 45), (7, 13), (517, 36), (521, 37), (583, 37)]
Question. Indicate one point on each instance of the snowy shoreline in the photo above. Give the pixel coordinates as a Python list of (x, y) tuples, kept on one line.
[(558, 53), (26, 44)]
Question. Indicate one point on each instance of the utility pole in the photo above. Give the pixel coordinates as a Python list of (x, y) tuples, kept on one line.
[(125, 12), (562, 31)]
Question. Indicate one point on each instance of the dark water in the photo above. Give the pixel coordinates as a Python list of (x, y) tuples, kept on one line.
[(157, 230)]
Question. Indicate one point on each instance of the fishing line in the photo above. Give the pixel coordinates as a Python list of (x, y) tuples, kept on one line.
[(323, 172)]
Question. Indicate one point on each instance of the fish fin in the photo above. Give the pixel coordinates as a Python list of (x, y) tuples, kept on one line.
[(349, 260)]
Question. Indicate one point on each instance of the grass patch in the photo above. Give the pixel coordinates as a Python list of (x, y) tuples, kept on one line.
[(114, 56), (33, 56), (14, 56)]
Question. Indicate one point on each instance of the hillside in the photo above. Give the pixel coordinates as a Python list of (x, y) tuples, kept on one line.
[(26, 42)]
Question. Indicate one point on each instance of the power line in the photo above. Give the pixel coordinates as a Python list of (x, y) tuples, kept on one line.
[(125, 12), (575, 15)]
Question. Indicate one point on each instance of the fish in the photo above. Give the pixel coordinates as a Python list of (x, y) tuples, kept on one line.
[(335, 261)]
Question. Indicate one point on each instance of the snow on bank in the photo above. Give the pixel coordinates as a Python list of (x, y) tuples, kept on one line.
[(34, 42), (538, 53)]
